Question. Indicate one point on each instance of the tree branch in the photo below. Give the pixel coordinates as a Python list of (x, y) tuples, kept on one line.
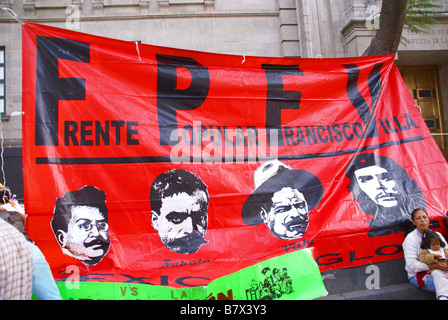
[(387, 38)]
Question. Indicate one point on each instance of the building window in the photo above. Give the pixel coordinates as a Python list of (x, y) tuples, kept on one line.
[(2, 81)]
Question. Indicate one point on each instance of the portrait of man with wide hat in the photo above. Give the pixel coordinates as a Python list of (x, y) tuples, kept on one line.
[(282, 199)]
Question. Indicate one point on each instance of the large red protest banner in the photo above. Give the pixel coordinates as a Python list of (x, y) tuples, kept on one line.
[(156, 165)]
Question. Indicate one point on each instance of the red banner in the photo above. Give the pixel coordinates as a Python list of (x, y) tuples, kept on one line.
[(156, 165)]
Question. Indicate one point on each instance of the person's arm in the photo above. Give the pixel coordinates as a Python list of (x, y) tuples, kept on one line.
[(411, 249), (440, 266), (18, 208), (427, 257), (446, 252), (442, 238)]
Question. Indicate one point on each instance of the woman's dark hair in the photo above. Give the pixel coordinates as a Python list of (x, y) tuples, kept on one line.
[(428, 236), (417, 210), (5, 193)]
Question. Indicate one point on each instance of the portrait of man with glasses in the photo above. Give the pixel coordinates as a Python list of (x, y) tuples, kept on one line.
[(80, 224)]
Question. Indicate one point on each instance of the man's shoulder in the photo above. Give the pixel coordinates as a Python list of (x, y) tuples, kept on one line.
[(411, 237), (441, 237), (411, 234)]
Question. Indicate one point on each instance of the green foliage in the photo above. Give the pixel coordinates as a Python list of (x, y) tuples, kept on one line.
[(419, 14)]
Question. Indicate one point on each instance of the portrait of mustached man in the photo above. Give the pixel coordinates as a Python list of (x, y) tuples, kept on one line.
[(282, 199), (179, 203), (80, 224)]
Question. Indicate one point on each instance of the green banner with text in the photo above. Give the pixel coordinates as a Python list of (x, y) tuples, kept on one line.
[(293, 276)]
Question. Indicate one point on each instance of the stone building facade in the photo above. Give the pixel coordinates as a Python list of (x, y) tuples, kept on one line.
[(278, 28)]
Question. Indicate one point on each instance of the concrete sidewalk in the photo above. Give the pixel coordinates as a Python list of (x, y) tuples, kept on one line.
[(403, 291), (350, 284)]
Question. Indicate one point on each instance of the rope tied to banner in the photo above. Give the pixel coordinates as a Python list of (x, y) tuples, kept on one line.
[(138, 50), (432, 133), (12, 14)]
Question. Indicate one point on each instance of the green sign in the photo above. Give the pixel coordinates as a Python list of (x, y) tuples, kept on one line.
[(294, 276)]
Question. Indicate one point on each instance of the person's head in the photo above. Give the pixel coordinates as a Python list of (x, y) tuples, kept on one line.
[(420, 219), (283, 200), (80, 224), (381, 186), (6, 194), (179, 203), (431, 240), (376, 178), (287, 216), (378, 184)]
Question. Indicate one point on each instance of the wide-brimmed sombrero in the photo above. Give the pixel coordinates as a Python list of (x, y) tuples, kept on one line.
[(271, 177)]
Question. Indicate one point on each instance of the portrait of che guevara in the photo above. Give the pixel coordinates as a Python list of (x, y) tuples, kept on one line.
[(179, 203), (282, 199), (80, 224), (383, 189)]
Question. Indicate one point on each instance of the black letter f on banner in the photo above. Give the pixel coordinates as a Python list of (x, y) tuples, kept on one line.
[(50, 88)]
